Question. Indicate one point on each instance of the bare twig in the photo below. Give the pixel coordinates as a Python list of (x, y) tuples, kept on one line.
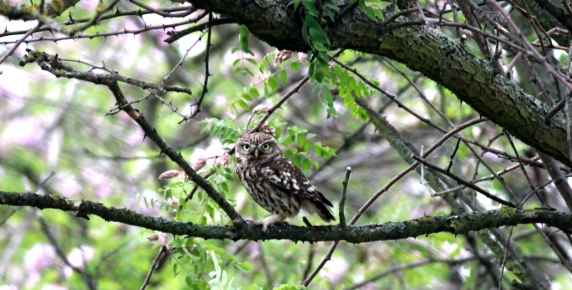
[(343, 199), (465, 183), (162, 12), (207, 73), (11, 51), (162, 252)]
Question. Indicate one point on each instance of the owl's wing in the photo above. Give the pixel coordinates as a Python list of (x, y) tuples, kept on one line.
[(287, 176), (282, 173)]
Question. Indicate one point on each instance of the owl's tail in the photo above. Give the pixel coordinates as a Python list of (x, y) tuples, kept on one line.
[(320, 205)]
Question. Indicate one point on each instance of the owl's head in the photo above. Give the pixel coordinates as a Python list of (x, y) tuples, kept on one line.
[(256, 147)]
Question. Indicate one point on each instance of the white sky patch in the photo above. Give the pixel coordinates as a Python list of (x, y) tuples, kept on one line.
[(335, 270), (191, 40), (54, 146), (15, 81), (141, 165), (476, 131)]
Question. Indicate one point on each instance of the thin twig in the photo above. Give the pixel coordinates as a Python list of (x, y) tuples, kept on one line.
[(310, 260), (565, 262), (162, 251), (343, 199), (384, 189), (504, 257), (207, 73), (162, 12), (465, 183), (11, 51), (180, 63), (87, 278)]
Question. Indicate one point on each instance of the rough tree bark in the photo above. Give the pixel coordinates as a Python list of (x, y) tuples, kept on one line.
[(422, 48)]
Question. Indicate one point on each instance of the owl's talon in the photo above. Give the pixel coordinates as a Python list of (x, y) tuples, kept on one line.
[(275, 218)]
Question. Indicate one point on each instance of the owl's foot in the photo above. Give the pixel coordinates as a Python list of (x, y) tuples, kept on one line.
[(269, 220)]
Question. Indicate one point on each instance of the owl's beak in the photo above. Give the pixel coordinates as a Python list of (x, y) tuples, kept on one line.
[(256, 153)]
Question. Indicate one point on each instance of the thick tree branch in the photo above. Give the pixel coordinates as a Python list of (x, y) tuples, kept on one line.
[(459, 224), (26, 12), (558, 12), (421, 48)]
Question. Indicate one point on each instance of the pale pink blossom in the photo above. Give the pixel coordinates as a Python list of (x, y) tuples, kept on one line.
[(335, 270), (302, 56), (153, 237), (164, 238), (201, 162), (98, 180), (170, 174), (67, 183), (78, 257), (224, 159), (253, 249), (39, 257), (173, 202), (25, 131)]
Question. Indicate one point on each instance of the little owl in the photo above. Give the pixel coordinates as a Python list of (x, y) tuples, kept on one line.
[(274, 182)]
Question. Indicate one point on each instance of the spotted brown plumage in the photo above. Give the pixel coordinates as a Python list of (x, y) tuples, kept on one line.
[(274, 182)]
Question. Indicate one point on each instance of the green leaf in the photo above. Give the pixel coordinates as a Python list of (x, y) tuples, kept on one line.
[(254, 92), (283, 76), (318, 149), (370, 14), (286, 142), (244, 266), (242, 104), (273, 83), (294, 66), (292, 132), (223, 278), (319, 76), (244, 39), (298, 160), (307, 145), (224, 186), (318, 36), (379, 14), (311, 8), (247, 97), (301, 139), (306, 164), (362, 5), (315, 163)]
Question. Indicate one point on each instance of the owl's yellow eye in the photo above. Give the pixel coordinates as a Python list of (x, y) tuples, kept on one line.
[(266, 146), (246, 147)]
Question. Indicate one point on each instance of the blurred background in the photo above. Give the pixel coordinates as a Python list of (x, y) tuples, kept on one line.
[(63, 136)]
